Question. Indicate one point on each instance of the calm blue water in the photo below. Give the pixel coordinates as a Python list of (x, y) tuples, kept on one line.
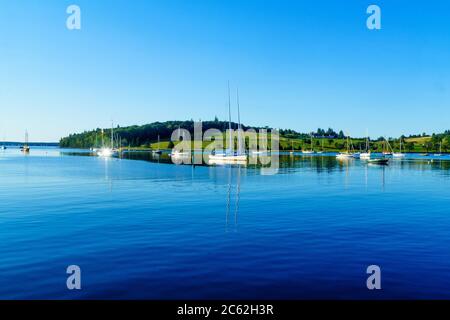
[(143, 229)]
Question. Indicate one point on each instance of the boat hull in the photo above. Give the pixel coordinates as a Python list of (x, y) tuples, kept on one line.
[(379, 161), (399, 155), (344, 156), (365, 156)]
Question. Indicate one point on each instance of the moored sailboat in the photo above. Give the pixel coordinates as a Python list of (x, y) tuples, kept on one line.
[(387, 149), (440, 150), (107, 152), (399, 154), (311, 151), (25, 148), (157, 151), (229, 156), (346, 154), (367, 154)]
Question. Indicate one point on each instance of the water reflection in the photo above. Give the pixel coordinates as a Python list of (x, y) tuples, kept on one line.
[(288, 162), (233, 172)]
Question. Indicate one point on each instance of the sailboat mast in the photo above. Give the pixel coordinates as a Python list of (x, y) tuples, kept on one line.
[(112, 135), (229, 117), (367, 140), (239, 124)]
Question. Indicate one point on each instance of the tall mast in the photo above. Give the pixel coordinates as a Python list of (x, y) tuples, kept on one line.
[(367, 140), (112, 135), (229, 117), (239, 124)]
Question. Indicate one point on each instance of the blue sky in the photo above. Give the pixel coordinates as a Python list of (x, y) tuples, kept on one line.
[(298, 64)]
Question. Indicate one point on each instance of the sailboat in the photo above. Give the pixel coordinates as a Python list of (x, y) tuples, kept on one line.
[(157, 151), (399, 154), (105, 151), (366, 155), (229, 156), (323, 150), (177, 153), (94, 148), (292, 144), (347, 154), (311, 151), (386, 148), (440, 151), (25, 148)]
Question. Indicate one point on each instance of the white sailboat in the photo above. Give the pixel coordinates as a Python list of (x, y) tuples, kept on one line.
[(311, 151), (387, 148), (440, 151), (292, 145), (177, 153), (399, 154), (157, 151), (347, 154), (323, 149), (25, 148), (367, 154), (229, 156), (106, 152)]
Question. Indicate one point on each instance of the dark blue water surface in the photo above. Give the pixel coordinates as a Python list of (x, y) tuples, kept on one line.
[(142, 229)]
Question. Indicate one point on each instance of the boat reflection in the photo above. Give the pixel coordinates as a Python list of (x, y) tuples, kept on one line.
[(234, 174)]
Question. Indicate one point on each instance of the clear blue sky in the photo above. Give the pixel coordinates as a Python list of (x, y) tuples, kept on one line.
[(298, 64)]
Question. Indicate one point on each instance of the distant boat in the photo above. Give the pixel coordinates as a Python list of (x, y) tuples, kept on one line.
[(399, 154), (292, 151), (347, 154), (425, 154), (25, 148), (157, 151), (309, 151), (323, 149), (255, 152), (344, 155), (387, 150), (107, 152), (366, 155), (229, 156), (440, 151), (178, 154)]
